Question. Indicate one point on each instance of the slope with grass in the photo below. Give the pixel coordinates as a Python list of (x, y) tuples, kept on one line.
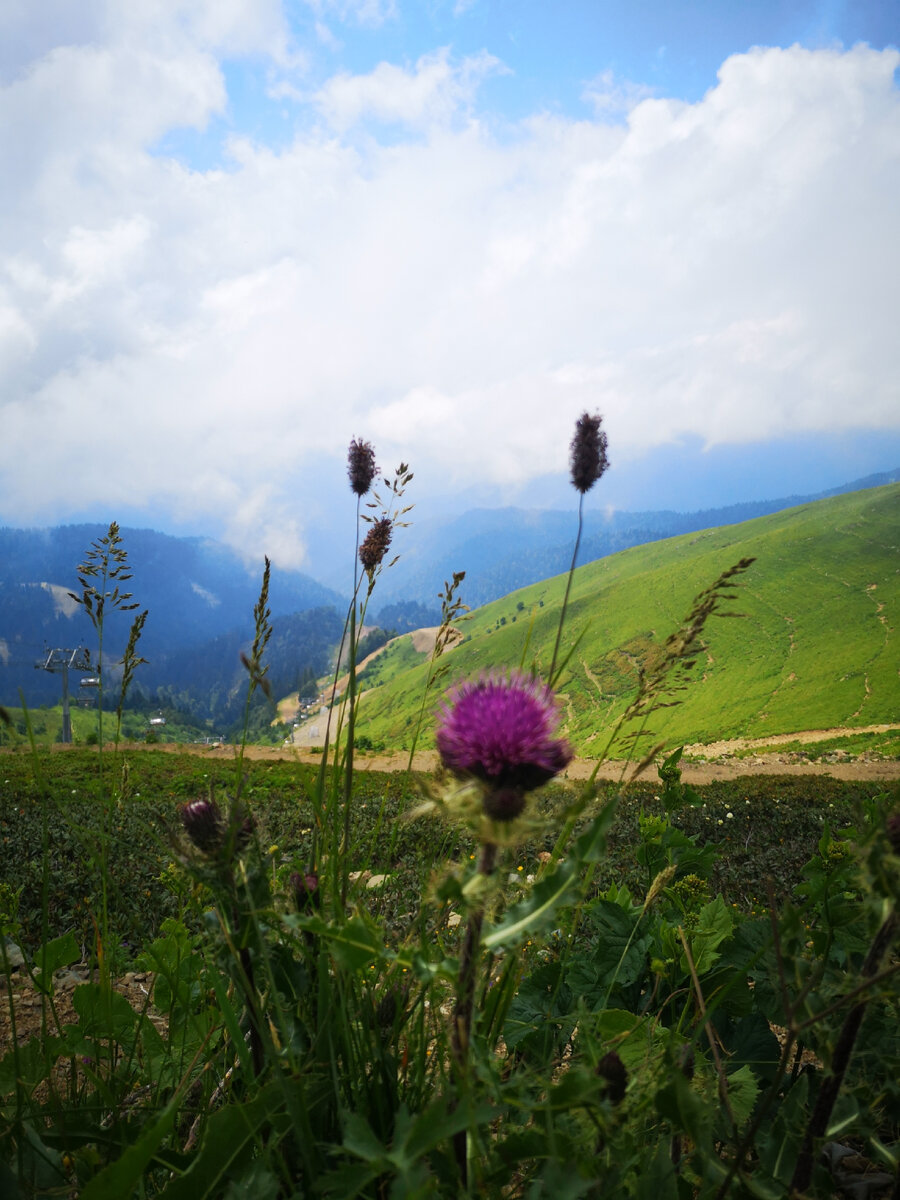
[(816, 647)]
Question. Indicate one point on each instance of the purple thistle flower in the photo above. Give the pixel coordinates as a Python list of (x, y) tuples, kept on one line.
[(361, 465), (202, 821), (499, 729), (587, 452)]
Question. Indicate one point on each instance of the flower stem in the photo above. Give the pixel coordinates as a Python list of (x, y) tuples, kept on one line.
[(551, 678), (460, 1034)]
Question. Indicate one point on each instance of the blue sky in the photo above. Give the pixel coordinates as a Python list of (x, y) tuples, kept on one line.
[(551, 54), (233, 236)]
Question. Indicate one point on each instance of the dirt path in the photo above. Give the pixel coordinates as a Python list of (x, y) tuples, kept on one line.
[(701, 764)]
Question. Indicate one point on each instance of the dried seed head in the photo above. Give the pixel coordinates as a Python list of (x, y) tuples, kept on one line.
[(376, 544), (361, 465), (587, 452), (202, 821)]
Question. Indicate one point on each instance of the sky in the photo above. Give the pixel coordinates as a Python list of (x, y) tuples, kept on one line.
[(235, 234)]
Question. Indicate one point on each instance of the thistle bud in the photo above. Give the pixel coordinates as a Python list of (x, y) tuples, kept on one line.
[(202, 821), (504, 804), (305, 890), (587, 452), (612, 1069), (361, 466)]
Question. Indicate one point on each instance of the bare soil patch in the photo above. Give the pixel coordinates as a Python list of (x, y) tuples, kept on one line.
[(701, 764), (31, 1011)]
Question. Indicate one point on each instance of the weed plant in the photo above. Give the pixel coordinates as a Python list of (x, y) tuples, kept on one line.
[(486, 983)]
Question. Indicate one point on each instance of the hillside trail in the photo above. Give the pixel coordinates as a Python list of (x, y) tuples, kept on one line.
[(700, 764)]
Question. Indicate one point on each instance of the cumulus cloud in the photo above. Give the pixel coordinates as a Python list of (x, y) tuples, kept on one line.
[(433, 93), (725, 269)]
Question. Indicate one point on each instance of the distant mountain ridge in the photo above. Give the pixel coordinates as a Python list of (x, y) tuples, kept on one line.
[(196, 591), (503, 549), (200, 594)]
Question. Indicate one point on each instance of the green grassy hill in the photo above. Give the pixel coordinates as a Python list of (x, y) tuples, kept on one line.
[(817, 648)]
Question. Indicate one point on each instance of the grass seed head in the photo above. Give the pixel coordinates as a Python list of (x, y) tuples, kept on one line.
[(361, 466), (376, 544), (587, 452)]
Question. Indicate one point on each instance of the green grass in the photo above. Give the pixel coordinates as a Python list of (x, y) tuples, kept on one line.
[(816, 649), (46, 726), (774, 829)]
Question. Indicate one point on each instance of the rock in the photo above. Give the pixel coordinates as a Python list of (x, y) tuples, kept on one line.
[(14, 956), (69, 979)]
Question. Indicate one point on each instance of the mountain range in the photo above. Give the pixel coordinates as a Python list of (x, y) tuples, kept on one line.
[(200, 594)]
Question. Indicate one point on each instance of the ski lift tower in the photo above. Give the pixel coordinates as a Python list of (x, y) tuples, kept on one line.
[(65, 661)]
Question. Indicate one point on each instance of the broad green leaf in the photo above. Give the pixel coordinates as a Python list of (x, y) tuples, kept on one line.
[(257, 1182), (658, 1181), (680, 1105), (537, 911), (438, 1123), (104, 1013), (354, 944), (538, 1005), (360, 1140), (635, 1039), (619, 956), (779, 1149), (844, 1117), (51, 956), (743, 1090), (753, 1044), (120, 1178), (34, 1063), (42, 1166), (230, 1136), (714, 925)]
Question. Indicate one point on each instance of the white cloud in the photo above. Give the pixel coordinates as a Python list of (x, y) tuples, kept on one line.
[(726, 269), (434, 92), (368, 13), (611, 97)]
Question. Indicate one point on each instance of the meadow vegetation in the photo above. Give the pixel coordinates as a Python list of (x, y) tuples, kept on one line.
[(816, 648), (486, 982)]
